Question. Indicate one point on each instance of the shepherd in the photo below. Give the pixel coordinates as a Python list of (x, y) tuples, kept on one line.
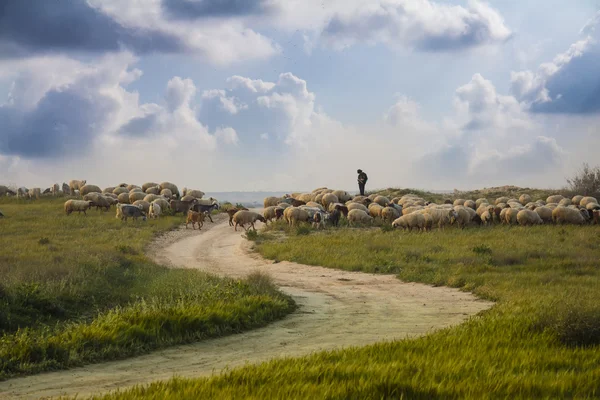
[(362, 181)]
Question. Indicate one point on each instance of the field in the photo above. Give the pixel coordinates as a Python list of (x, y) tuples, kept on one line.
[(77, 290), (541, 339)]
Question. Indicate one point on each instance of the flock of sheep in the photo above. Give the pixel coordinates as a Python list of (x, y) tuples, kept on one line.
[(410, 211)]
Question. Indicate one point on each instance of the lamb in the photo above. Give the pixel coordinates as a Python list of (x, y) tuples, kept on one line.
[(154, 211), (270, 213), (242, 218), (389, 214), (123, 198), (527, 217), (125, 211), (149, 185), (588, 199), (328, 199), (554, 198), (411, 221), (360, 217), (524, 199), (135, 196), (194, 217), (293, 215), (565, 215), (80, 206), (76, 185), (231, 212), (545, 214)]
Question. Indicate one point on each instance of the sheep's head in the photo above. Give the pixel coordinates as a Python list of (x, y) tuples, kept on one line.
[(261, 219)]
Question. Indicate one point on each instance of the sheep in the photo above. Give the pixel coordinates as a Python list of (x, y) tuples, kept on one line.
[(389, 214), (524, 199), (142, 205), (120, 190), (243, 217), (511, 216), (596, 216), (154, 211), (584, 201), (231, 212), (463, 217), (166, 193), (294, 215), (135, 196), (123, 185), (125, 211), (206, 209), (409, 210), (540, 202), (459, 202), (441, 217), (171, 186), (554, 198), (501, 200), (562, 215), (552, 206), (333, 206), (527, 217), (471, 204), (360, 217), (195, 218), (123, 198), (516, 205), (136, 190), (151, 197), (131, 186), (306, 197), (576, 200), (592, 206), (98, 200), (565, 202), (481, 201), (375, 210), (86, 189), (328, 199), (163, 203), (545, 214), (319, 198), (180, 206), (152, 190), (81, 206), (76, 185), (286, 205), (411, 221), (313, 204), (149, 185), (342, 195), (194, 193), (334, 217), (381, 200), (271, 201), (486, 217)]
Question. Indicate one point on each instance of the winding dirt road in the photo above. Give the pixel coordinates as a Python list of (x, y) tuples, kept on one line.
[(337, 309)]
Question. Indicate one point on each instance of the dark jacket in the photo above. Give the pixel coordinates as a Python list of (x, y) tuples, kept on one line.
[(362, 178)]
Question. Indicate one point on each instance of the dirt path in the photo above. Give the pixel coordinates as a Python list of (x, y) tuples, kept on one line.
[(337, 309)]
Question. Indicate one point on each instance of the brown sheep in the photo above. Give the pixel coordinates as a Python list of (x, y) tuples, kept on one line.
[(195, 218)]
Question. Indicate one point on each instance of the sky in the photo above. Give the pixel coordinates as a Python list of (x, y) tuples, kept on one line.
[(270, 95)]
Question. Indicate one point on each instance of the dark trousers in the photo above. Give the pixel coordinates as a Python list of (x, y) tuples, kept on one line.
[(361, 187)]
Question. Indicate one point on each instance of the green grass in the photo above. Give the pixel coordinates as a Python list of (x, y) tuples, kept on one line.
[(541, 339), (77, 290)]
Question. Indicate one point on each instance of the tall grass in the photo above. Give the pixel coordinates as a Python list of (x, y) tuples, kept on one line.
[(76, 289), (541, 339)]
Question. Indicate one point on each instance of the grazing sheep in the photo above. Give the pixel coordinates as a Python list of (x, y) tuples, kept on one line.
[(243, 217), (411, 209), (142, 205), (151, 197), (154, 211), (125, 211), (381, 200), (459, 202), (588, 199), (389, 214), (120, 190), (286, 205), (554, 198), (152, 190), (359, 217), (149, 185), (163, 203), (527, 217), (270, 213), (180, 206), (545, 214), (334, 217), (76, 185), (486, 217), (411, 221), (503, 199), (565, 202), (471, 204), (481, 201), (98, 201), (375, 210), (357, 206), (463, 217), (441, 217), (511, 216), (565, 215), (576, 200), (194, 217), (123, 198), (109, 189), (342, 195), (524, 199), (135, 196), (80, 206), (319, 198), (171, 186), (166, 193), (328, 199)]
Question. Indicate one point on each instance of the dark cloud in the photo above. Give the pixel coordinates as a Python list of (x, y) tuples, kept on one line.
[(193, 9), (50, 26), (62, 123), (140, 126)]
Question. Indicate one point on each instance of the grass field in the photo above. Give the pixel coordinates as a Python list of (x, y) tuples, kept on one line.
[(541, 339), (76, 290)]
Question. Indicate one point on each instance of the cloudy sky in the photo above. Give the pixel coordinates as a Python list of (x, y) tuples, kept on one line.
[(294, 94)]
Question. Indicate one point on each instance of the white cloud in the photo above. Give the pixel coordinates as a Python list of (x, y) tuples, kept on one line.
[(227, 136)]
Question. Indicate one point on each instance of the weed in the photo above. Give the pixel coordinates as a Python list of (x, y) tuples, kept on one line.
[(302, 230), (482, 249), (44, 241), (251, 235)]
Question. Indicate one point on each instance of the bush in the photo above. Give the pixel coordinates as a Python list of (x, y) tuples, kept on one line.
[(575, 323), (251, 234), (586, 181)]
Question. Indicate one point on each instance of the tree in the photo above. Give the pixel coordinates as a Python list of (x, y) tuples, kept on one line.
[(586, 182)]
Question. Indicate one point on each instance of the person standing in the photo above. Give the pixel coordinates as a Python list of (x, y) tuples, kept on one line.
[(362, 181)]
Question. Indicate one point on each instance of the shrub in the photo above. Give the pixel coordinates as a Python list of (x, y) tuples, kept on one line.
[(586, 181), (575, 323), (251, 234)]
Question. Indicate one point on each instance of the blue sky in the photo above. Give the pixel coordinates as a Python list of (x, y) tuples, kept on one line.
[(291, 95)]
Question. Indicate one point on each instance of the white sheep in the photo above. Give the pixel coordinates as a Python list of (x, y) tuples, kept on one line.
[(359, 217), (154, 211), (527, 217), (588, 199), (244, 217), (86, 189), (80, 206), (411, 221), (565, 215), (524, 199), (555, 198), (357, 206)]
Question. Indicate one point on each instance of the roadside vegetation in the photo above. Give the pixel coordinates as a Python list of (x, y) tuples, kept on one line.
[(77, 290), (540, 340)]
